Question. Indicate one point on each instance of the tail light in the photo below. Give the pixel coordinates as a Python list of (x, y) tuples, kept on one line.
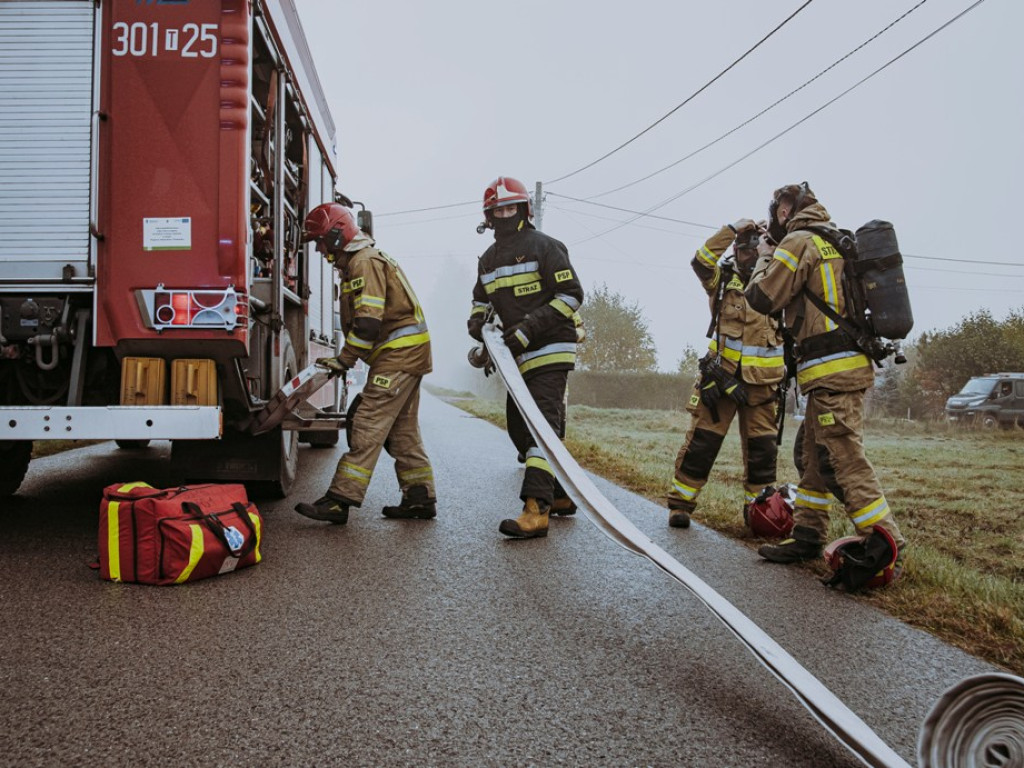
[(168, 308)]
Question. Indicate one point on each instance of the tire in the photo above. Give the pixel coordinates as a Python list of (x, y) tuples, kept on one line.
[(15, 456), (988, 421), (132, 445), (286, 443)]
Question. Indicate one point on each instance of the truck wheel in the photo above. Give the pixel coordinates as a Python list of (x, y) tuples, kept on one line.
[(287, 441), (132, 445), (14, 458), (988, 421)]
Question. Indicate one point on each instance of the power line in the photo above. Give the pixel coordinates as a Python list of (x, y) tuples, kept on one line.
[(767, 109), (966, 261), (627, 210), (686, 101), (782, 133), (432, 208)]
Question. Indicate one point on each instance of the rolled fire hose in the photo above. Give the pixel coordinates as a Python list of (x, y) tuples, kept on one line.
[(963, 721)]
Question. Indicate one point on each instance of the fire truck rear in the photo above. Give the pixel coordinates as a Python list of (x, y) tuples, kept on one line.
[(158, 159)]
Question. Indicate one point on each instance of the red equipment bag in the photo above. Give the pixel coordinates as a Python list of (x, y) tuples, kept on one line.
[(171, 536)]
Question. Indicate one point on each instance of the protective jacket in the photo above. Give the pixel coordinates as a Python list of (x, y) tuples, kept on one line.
[(526, 277), (805, 262), (747, 339), (381, 316)]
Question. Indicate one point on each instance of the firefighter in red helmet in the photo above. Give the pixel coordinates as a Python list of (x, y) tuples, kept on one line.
[(384, 327), (526, 278)]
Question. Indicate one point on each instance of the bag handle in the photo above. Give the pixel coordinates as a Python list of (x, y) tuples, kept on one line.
[(217, 528)]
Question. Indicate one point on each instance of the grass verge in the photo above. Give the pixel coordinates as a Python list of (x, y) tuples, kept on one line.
[(954, 495)]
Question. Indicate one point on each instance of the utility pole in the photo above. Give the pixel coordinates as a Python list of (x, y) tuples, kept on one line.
[(538, 208)]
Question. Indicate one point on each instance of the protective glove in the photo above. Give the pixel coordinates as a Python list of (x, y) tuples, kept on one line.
[(733, 389), (333, 365), (475, 325), (516, 338), (710, 394)]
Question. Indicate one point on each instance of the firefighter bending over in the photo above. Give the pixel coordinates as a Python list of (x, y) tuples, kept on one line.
[(384, 327), (832, 371), (739, 375), (527, 279)]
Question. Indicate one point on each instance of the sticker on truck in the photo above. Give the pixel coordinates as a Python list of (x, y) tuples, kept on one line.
[(167, 234)]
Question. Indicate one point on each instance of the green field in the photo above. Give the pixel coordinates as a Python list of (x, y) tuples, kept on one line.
[(954, 494)]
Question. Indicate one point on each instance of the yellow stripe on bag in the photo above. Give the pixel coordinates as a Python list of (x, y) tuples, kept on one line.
[(195, 552), (113, 541), (259, 535)]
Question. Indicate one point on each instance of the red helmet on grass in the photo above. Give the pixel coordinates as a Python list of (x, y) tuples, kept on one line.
[(770, 515), (863, 562)]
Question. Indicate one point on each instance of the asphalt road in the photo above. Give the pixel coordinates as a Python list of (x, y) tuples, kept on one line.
[(426, 643)]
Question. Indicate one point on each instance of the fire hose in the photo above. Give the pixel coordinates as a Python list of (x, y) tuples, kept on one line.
[(979, 716)]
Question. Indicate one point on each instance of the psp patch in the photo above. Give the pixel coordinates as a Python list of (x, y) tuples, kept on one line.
[(382, 381), (826, 419), (563, 275)]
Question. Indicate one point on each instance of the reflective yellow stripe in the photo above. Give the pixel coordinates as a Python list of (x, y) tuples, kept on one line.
[(708, 257), (358, 343), (400, 343), (813, 372), (687, 492), (133, 486), (195, 552), (539, 463), (813, 499), (871, 514), (787, 258), (374, 302), (537, 362), (561, 307), (113, 541), (258, 525), (511, 281)]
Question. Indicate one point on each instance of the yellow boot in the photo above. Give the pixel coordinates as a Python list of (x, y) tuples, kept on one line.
[(533, 523)]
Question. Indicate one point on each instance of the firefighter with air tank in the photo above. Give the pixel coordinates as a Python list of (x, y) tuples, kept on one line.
[(803, 276), (739, 376)]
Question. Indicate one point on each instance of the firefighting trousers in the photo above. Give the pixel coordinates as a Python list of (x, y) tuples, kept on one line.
[(548, 391), (704, 440), (835, 421), (386, 419)]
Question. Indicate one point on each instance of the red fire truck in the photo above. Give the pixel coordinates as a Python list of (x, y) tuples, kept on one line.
[(157, 160)]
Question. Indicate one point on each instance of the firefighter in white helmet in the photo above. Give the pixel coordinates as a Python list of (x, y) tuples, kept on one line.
[(739, 376), (526, 278), (385, 328)]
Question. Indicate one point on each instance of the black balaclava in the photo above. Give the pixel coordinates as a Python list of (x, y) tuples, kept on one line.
[(508, 226)]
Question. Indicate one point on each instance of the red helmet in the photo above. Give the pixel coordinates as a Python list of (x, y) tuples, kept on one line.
[(860, 551), (505, 190), (770, 515), (331, 223)]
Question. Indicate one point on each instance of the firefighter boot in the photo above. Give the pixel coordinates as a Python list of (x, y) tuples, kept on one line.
[(563, 507), (532, 524), (416, 504), (329, 508), (679, 517), (805, 545)]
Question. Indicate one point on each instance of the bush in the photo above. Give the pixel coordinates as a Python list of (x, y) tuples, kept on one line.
[(645, 391)]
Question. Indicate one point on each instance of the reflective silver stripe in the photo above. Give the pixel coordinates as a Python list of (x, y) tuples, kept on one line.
[(408, 330), (550, 349), (509, 271), (771, 352), (828, 359), (572, 302)]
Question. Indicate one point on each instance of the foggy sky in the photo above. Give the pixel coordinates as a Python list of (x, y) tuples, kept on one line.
[(433, 100)]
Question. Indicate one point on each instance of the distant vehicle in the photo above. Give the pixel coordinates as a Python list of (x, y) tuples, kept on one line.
[(995, 399)]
